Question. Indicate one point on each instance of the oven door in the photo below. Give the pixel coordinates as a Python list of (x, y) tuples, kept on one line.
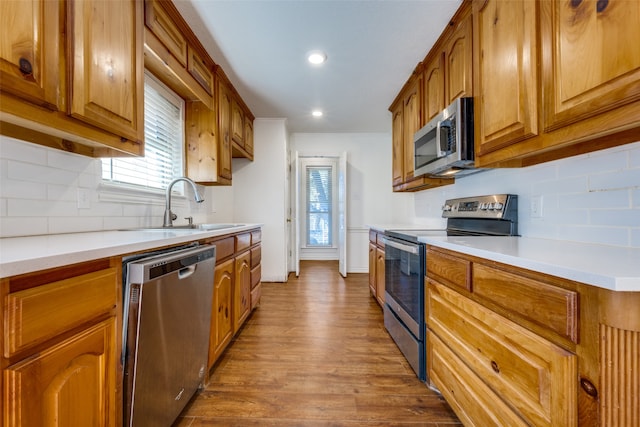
[(404, 283)]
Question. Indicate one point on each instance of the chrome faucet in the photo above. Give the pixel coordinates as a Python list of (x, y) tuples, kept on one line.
[(170, 216)]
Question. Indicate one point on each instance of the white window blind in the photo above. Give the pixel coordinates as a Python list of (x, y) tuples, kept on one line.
[(319, 206), (163, 138)]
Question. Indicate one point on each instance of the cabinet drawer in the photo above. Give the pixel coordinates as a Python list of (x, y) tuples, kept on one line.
[(531, 374), (449, 269), (546, 305), (243, 241), (256, 275), (38, 314), (256, 255), (256, 237), (224, 248), (470, 398)]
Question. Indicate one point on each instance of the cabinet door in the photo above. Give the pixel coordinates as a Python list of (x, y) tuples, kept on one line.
[(591, 58), (161, 24), (70, 384), (237, 123), (221, 318), (201, 141), (248, 135), (505, 73), (242, 290), (30, 50), (458, 56), (397, 145), (411, 126), (224, 132), (372, 269), (106, 65), (434, 100), (380, 270), (199, 70)]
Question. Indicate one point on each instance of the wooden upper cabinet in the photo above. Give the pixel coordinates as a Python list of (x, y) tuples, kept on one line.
[(412, 121), (248, 135), (591, 58), (30, 50), (224, 131), (165, 29), (505, 71), (458, 55), (397, 144), (201, 143), (200, 70), (237, 123), (434, 96), (107, 66)]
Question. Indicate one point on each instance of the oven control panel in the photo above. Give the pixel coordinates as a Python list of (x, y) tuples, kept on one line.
[(496, 206)]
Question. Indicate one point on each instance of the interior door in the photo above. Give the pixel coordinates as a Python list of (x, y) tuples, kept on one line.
[(342, 214), (296, 213)]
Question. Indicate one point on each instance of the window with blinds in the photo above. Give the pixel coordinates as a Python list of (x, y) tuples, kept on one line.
[(319, 206), (163, 139)]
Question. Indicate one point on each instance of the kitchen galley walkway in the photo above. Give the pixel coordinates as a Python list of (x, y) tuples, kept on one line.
[(315, 353)]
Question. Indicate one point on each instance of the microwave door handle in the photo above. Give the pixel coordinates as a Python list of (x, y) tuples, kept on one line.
[(439, 151)]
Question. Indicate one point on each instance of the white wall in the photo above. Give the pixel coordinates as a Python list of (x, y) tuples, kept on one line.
[(370, 199), (259, 189)]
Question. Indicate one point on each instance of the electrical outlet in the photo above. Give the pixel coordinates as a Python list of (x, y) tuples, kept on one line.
[(84, 199), (536, 207)]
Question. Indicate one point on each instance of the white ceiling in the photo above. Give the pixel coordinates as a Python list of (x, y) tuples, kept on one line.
[(372, 48)]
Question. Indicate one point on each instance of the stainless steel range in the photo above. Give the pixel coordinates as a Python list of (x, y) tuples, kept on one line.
[(405, 263)]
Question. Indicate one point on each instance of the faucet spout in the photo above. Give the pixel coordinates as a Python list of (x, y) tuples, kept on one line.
[(170, 216)]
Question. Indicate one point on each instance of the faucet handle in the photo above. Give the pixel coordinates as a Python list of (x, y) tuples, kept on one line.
[(190, 219)]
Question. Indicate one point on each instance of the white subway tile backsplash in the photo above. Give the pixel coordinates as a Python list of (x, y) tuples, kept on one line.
[(602, 161), (619, 217), (74, 224), (561, 185), (70, 162), (37, 208), (12, 226), (627, 178), (595, 200), (10, 188), (13, 149), (39, 173)]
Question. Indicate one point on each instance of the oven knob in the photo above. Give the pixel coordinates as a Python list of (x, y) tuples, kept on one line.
[(489, 206), (498, 206), (483, 206)]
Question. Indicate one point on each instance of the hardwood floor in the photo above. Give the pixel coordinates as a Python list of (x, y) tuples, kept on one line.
[(315, 353)]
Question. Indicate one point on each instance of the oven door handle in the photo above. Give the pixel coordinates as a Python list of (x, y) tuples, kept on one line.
[(403, 247)]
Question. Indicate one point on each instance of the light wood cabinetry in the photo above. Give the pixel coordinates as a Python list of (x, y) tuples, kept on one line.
[(434, 97), (506, 73), (60, 346), (523, 348), (201, 143), (548, 82), (376, 266), (92, 105), (237, 124), (224, 128), (222, 318), (237, 287), (407, 119), (248, 135), (242, 289), (458, 54)]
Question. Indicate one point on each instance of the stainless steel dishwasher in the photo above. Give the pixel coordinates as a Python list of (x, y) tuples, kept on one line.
[(167, 316)]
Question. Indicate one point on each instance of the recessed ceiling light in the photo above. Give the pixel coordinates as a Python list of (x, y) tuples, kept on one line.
[(316, 113), (316, 57)]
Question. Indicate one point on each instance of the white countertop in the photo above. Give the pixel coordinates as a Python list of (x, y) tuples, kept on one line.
[(20, 255), (610, 267)]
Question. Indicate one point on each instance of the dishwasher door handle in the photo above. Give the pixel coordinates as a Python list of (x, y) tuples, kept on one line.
[(186, 272)]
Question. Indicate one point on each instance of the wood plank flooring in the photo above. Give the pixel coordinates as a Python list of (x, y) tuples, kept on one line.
[(315, 353)]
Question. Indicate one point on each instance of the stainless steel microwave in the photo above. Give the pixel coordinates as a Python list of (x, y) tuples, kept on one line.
[(444, 146)]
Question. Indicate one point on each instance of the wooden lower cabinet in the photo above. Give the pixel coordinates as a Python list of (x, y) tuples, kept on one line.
[(70, 384), (61, 344), (508, 346), (376, 266), (530, 374), (221, 318), (242, 290)]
